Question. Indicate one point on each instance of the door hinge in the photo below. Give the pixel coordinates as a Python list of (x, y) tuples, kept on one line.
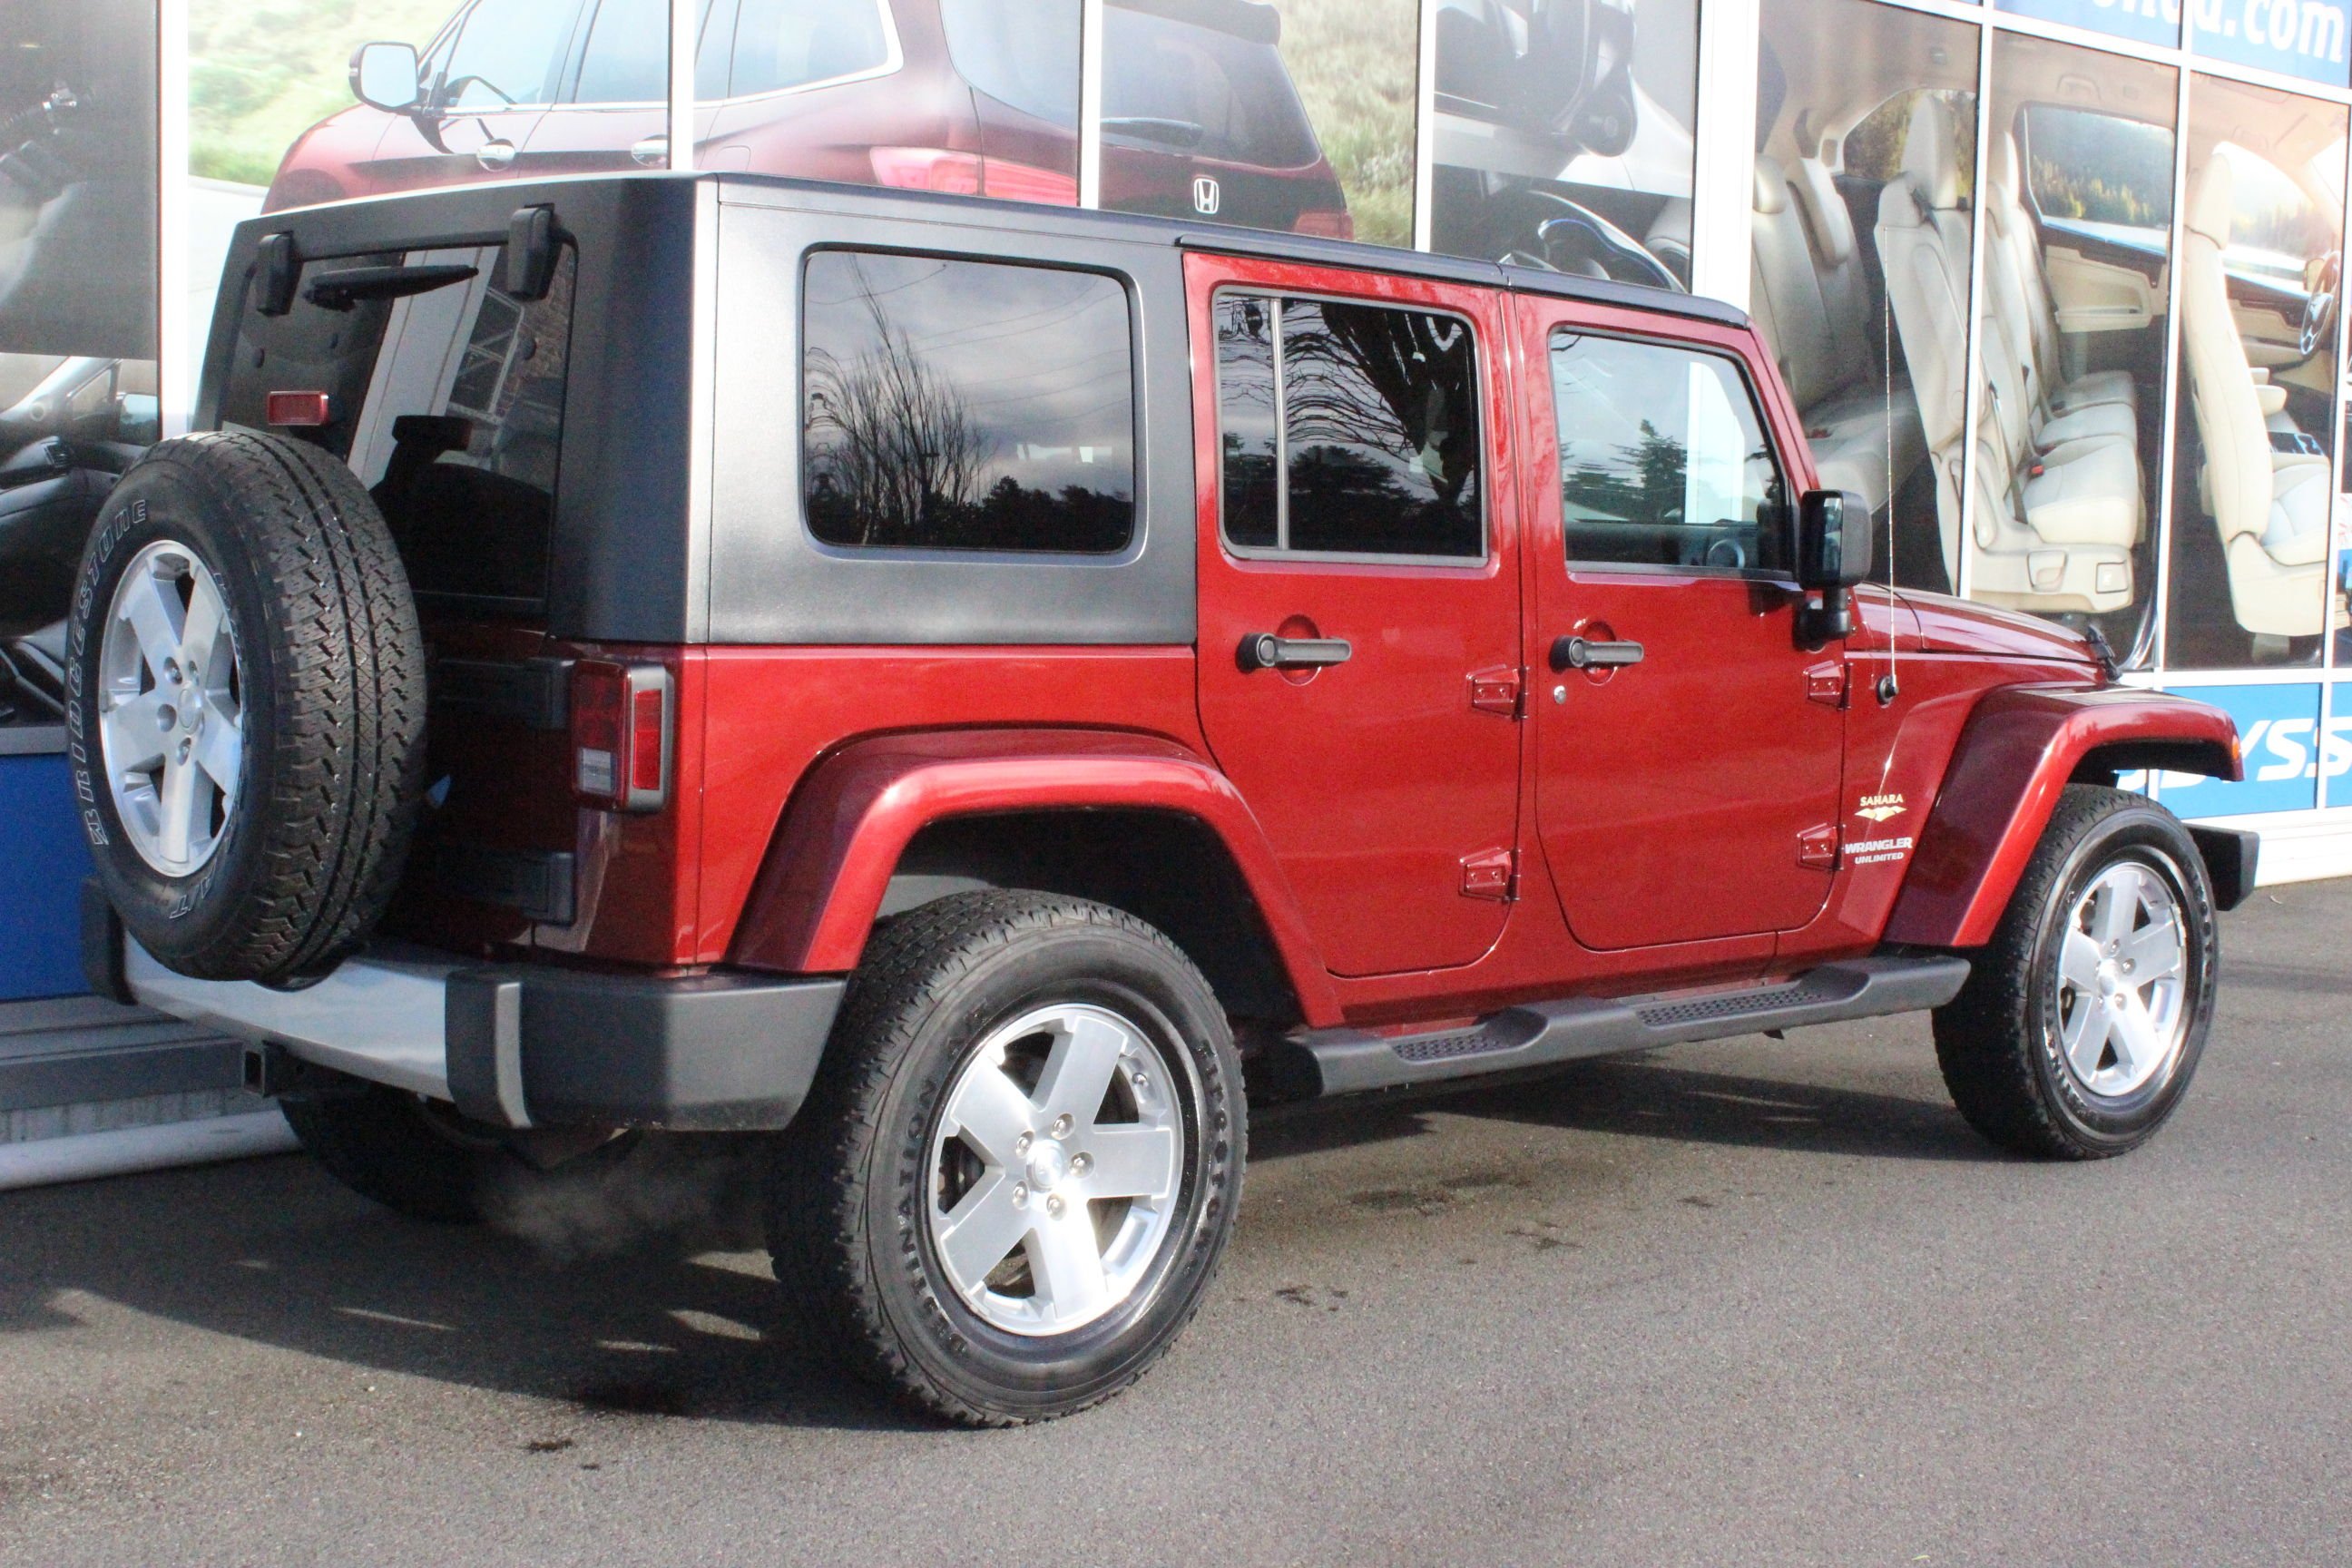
[(1825, 683), (1817, 847), (1491, 874), (1496, 690)]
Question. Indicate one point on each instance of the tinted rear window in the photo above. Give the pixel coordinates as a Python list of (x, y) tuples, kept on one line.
[(959, 404), (1200, 89), (448, 404), (1024, 53)]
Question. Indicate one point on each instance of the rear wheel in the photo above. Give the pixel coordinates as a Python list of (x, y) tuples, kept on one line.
[(2084, 1018), (1021, 1163)]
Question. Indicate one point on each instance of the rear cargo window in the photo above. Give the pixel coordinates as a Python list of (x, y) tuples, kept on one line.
[(1348, 429), (959, 404), (448, 403), (1202, 79)]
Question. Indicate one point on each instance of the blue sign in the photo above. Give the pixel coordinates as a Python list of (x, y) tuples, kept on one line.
[(40, 880), (2278, 731), (2142, 21), (2293, 37)]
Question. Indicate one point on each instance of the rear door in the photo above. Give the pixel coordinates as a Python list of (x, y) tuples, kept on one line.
[(1690, 741), (1359, 601)]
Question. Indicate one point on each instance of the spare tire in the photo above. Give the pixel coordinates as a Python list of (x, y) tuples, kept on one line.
[(245, 707)]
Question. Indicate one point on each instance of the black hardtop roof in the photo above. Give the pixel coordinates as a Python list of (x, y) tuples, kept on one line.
[(1228, 240), (368, 220)]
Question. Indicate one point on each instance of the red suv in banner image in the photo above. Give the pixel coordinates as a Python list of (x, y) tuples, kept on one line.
[(967, 97)]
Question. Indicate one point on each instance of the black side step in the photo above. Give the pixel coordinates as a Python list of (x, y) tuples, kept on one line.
[(1348, 1061)]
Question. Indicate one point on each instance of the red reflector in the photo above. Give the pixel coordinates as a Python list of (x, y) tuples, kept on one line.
[(645, 704), (1325, 224), (298, 408)]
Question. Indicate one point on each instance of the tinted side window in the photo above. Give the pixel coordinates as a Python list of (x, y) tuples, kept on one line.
[(967, 405), (791, 43), (1020, 52), (507, 51), (628, 57), (1663, 461), (1348, 429)]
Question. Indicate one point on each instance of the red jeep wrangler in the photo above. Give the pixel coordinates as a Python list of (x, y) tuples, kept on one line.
[(952, 688)]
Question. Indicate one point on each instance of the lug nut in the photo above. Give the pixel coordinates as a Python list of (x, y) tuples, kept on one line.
[(1020, 1195), (1054, 1207), (1020, 1144), (184, 747), (1061, 1126), (1081, 1163)]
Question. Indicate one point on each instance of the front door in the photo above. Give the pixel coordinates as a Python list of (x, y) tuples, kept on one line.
[(1689, 742), (1359, 599)]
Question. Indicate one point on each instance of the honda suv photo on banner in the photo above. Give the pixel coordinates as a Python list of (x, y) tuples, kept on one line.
[(965, 97)]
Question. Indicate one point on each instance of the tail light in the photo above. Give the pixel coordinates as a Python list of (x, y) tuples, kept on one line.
[(621, 734), (1325, 223), (969, 175)]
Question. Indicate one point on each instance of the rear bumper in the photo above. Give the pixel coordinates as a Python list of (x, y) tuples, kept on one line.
[(527, 1045)]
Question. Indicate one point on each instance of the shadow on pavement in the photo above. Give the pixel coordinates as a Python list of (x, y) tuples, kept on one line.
[(641, 1289)]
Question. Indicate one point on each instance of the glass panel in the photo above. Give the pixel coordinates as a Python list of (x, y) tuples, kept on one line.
[(78, 292), (2261, 278), (2142, 21), (1295, 114), (1663, 461), (448, 404), (1564, 136), (789, 43), (1245, 419), (967, 405), (1865, 126), (1381, 423), (2293, 37), (2072, 335)]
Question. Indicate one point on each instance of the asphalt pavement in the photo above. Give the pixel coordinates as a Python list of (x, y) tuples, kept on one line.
[(1748, 1302)]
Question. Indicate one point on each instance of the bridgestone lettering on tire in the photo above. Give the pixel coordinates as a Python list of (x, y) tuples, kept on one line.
[(304, 752), (2082, 1019), (1055, 1070)]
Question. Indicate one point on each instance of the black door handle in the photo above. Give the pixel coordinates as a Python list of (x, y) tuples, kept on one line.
[(1580, 653), (1264, 651)]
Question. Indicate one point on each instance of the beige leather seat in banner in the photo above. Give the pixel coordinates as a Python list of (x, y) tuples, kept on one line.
[(2270, 507), (1810, 299)]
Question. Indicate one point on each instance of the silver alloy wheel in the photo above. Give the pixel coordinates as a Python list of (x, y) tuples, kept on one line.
[(1055, 1170), (171, 719), (2122, 982)]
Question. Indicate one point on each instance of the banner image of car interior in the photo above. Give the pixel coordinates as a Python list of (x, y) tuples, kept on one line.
[(77, 244), (2070, 395), (2261, 283), (1564, 135), (1865, 130)]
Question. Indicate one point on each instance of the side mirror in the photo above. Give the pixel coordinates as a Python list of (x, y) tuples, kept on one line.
[(1833, 555), (386, 76)]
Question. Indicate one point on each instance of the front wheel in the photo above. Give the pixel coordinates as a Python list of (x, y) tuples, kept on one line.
[(2084, 1018), (1021, 1161)]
